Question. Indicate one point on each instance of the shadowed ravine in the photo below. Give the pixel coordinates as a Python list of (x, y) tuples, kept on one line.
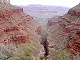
[(44, 39)]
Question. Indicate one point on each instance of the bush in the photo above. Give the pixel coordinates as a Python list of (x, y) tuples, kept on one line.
[(23, 52)]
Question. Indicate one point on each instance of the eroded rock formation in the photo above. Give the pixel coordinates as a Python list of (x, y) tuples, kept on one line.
[(5, 1), (16, 28), (65, 33)]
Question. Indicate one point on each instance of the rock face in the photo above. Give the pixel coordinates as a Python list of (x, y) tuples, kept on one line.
[(5, 1), (65, 34), (16, 28)]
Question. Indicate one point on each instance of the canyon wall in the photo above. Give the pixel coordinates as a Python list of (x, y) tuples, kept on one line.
[(64, 35)]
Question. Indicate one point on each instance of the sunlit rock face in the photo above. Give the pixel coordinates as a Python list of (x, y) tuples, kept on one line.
[(16, 28), (65, 34)]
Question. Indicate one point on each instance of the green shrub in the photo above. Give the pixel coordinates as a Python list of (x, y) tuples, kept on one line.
[(23, 52), (62, 55)]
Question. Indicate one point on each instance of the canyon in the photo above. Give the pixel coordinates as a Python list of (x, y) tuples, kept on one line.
[(26, 35)]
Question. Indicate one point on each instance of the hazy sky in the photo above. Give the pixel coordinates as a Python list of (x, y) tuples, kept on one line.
[(67, 3)]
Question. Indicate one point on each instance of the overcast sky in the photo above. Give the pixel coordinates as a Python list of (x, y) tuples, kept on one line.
[(67, 3)]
